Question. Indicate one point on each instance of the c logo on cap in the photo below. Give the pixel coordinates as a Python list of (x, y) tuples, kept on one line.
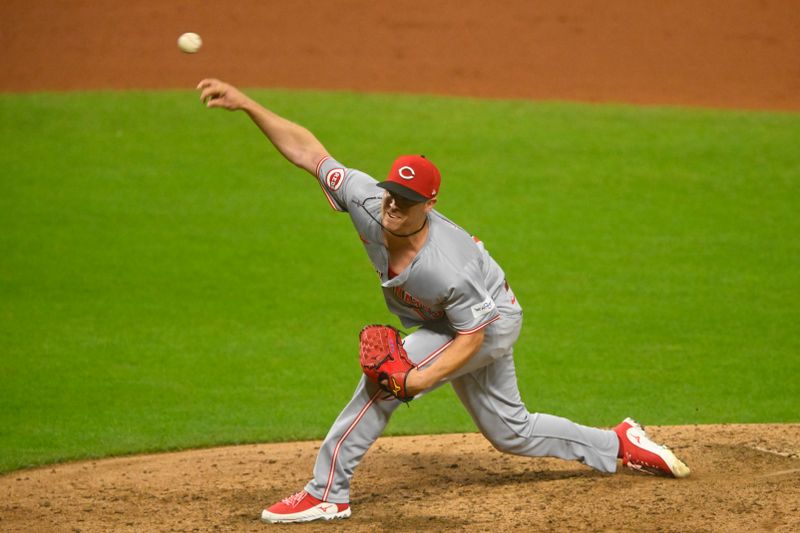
[(407, 173)]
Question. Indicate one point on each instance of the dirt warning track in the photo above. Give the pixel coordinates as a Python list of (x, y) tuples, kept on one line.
[(716, 53)]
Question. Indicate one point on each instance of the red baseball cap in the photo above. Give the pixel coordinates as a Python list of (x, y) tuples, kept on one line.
[(413, 177)]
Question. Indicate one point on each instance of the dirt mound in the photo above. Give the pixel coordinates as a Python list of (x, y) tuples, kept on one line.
[(744, 478)]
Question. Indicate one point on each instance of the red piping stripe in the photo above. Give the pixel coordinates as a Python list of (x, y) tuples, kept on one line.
[(434, 354), (328, 197), (471, 331), (341, 440), (319, 165)]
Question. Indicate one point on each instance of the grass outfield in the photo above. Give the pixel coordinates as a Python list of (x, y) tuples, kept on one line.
[(167, 280)]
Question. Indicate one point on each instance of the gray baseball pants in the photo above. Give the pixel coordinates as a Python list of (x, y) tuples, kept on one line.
[(487, 386)]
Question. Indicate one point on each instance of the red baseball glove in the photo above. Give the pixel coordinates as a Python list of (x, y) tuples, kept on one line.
[(383, 359)]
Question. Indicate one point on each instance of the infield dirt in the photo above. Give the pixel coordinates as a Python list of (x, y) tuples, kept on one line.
[(743, 54), (744, 478)]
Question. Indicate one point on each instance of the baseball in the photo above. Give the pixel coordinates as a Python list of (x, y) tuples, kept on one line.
[(190, 42)]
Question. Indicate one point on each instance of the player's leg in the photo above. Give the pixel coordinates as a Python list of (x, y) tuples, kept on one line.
[(362, 421), (327, 495), (356, 428), (488, 388), (491, 396)]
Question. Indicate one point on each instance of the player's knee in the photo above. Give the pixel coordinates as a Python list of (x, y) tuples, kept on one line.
[(513, 435), (507, 442)]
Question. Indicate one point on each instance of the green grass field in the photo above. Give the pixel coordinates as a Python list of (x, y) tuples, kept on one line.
[(168, 281)]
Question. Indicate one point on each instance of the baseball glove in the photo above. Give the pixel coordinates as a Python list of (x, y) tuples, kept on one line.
[(384, 360)]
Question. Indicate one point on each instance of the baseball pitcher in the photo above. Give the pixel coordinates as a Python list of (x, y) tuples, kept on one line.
[(439, 279)]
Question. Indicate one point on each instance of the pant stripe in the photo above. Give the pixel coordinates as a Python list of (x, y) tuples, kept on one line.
[(434, 354), (343, 437)]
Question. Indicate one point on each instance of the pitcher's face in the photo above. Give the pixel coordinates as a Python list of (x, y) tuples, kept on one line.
[(403, 216)]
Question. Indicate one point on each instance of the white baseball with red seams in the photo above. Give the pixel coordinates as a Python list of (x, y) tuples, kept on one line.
[(190, 42)]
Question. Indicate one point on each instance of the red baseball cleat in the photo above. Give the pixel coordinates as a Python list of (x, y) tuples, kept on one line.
[(641, 453), (303, 507)]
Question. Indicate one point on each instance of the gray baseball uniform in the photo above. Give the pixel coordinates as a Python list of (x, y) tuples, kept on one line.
[(453, 286)]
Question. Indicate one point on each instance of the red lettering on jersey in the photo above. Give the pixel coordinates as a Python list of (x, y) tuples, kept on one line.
[(423, 310)]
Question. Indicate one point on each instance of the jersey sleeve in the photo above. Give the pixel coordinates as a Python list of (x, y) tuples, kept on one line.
[(469, 306), (341, 184)]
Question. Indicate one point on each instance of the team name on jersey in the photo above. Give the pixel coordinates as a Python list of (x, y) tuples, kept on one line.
[(424, 311)]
